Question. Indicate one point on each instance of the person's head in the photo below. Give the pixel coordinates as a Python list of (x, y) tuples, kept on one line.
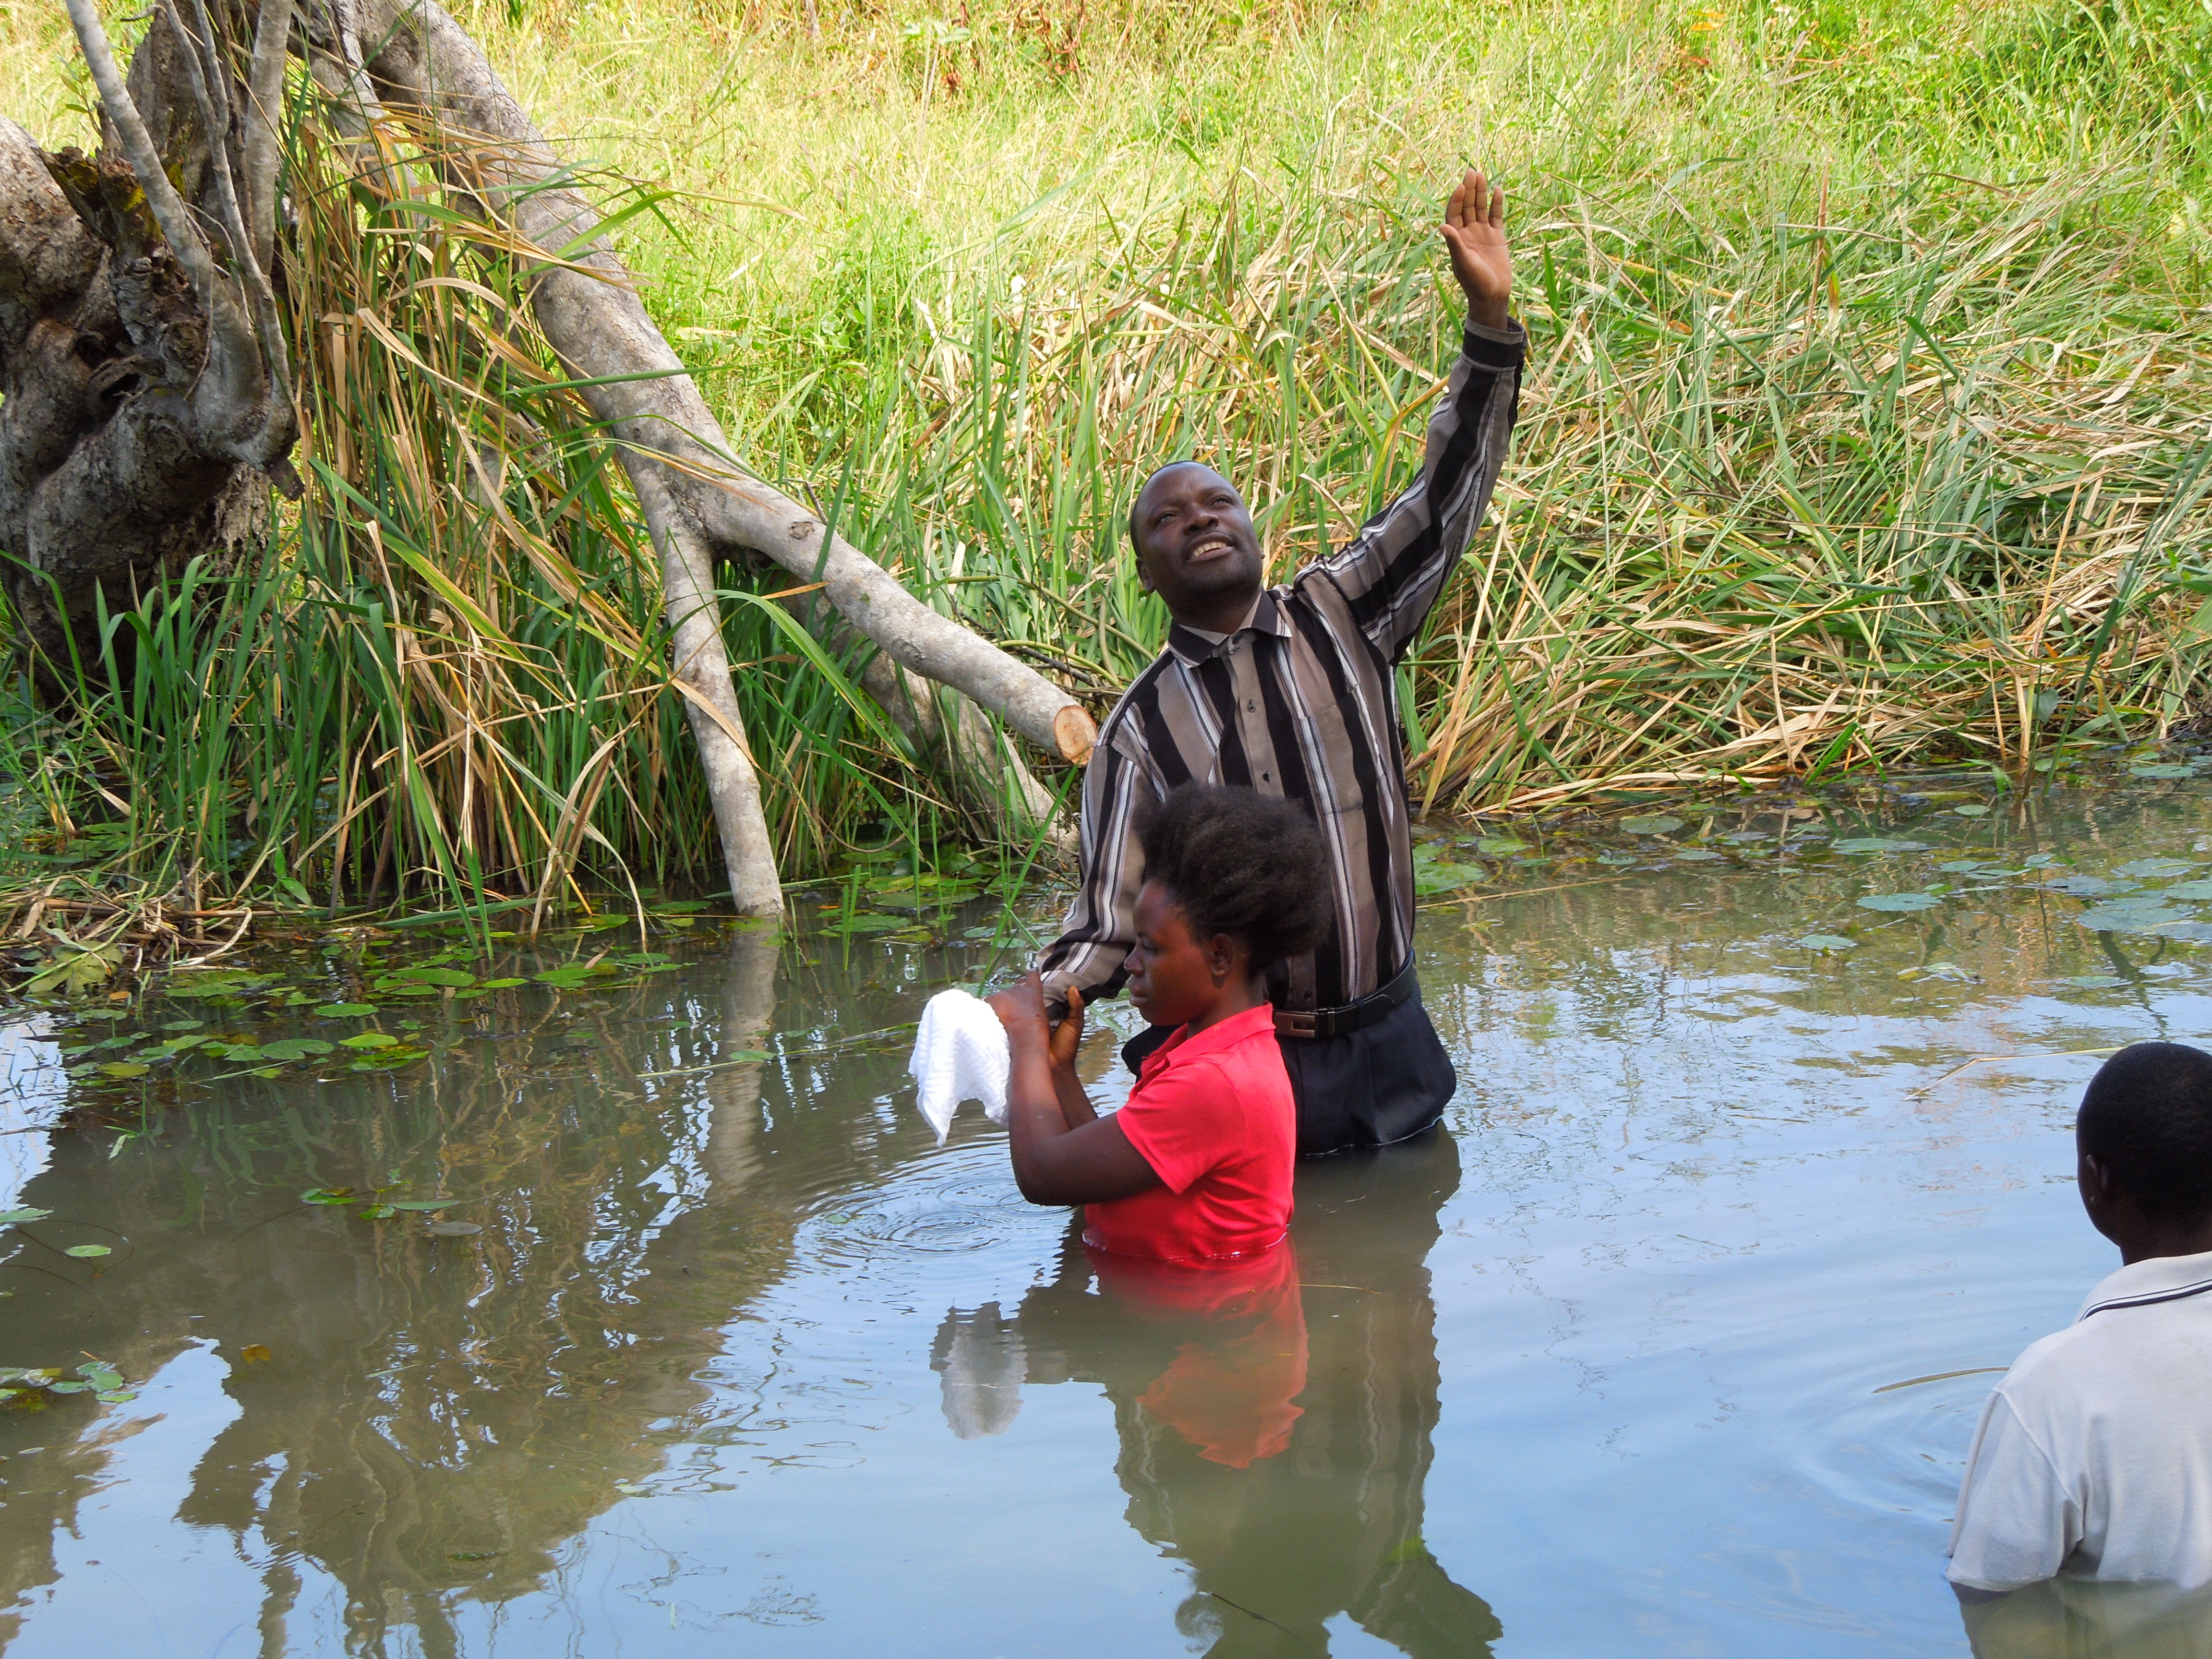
[(1234, 883), (1196, 544), (2144, 1139)]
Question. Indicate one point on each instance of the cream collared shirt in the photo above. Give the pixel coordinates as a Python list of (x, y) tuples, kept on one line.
[(2093, 1459)]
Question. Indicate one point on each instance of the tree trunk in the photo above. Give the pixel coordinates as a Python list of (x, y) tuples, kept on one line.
[(145, 395)]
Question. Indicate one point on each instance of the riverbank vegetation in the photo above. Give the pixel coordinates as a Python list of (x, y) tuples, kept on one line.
[(1864, 420)]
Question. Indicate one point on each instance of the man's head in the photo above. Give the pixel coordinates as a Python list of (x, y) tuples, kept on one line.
[(1196, 545), (2144, 1134)]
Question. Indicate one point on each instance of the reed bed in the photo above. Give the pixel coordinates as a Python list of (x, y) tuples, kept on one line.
[(1865, 419)]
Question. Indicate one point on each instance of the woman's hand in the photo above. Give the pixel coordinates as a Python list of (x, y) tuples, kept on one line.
[(1067, 1036), (1020, 1009)]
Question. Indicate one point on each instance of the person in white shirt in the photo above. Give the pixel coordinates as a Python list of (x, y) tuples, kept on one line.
[(2093, 1460)]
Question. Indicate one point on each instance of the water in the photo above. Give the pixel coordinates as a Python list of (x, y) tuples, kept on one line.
[(740, 1357)]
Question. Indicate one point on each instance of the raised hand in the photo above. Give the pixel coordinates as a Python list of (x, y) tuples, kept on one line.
[(1474, 234), (1067, 1036)]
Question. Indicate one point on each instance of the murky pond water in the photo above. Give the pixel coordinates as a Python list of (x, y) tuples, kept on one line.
[(1674, 1344)]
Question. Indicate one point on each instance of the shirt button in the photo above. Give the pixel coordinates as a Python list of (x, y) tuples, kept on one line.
[(1250, 705), (1266, 777)]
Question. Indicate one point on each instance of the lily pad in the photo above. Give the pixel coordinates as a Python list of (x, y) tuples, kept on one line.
[(424, 1204), (28, 1212), (1440, 878), (2194, 892), (500, 984), (124, 1069), (2156, 869), (327, 1195), (2094, 981), (292, 1048), (2129, 918), (1828, 943), (1971, 809), (1878, 844), (1652, 823), (453, 1229), (88, 1250), (116, 1397), (577, 974), (1900, 901), (437, 975), (369, 1039), (1500, 845), (345, 1010), (2162, 769), (1695, 856), (1619, 859), (2086, 886)]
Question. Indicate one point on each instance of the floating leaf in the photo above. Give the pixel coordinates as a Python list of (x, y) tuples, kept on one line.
[(1971, 809), (862, 922), (2129, 918), (68, 1388), (453, 1229), (1444, 878), (1901, 902), (28, 1212), (420, 1204), (378, 1212), (345, 1010), (1878, 844), (2086, 886), (501, 984), (1653, 823), (1500, 847), (438, 975), (2094, 981), (369, 1039), (1828, 942), (577, 973), (327, 1195), (292, 1048), (1943, 970), (2163, 769), (88, 1250), (1695, 856), (116, 1397), (2155, 869), (632, 1489), (124, 1068), (1619, 859), (253, 1353), (2195, 892)]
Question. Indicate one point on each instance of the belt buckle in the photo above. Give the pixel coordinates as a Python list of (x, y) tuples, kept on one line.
[(1296, 1021)]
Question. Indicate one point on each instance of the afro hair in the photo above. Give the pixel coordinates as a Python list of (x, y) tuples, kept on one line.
[(2147, 1117), (1240, 863)]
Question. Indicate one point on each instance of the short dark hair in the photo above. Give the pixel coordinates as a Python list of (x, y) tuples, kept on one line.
[(1240, 863), (2147, 1117)]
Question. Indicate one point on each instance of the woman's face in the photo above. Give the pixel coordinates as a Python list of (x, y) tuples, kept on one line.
[(1173, 977)]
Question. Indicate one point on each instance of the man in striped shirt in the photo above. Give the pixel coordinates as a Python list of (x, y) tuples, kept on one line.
[(1292, 690)]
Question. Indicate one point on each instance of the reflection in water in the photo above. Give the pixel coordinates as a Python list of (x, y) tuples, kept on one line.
[(1274, 1420), (2069, 1619), (432, 1421)]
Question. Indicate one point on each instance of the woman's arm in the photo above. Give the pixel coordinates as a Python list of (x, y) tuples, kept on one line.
[(1053, 1162)]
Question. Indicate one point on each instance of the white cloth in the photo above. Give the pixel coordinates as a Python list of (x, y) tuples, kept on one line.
[(959, 1054), (2093, 1458)]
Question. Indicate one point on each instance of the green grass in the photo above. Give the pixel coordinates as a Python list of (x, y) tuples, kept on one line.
[(1862, 424)]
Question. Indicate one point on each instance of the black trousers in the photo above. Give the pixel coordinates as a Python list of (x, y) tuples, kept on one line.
[(1367, 1088)]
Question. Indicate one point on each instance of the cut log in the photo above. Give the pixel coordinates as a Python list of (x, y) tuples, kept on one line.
[(591, 311)]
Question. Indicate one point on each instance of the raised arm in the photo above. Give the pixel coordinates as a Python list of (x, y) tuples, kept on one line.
[(1390, 573)]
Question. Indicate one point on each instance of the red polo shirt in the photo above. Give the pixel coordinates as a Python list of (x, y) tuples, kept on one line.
[(1214, 1116)]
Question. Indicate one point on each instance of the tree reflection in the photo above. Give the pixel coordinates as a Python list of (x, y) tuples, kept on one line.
[(1275, 1432), (439, 1416)]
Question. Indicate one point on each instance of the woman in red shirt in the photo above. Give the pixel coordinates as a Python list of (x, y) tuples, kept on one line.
[(1197, 1167)]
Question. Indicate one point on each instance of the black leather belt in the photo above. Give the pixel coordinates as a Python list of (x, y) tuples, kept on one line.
[(1402, 988)]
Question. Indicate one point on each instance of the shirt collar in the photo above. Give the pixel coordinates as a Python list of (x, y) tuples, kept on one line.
[(1226, 1034), (1193, 646), (2154, 1278)]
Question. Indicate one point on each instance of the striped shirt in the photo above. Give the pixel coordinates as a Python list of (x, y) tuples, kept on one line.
[(1302, 701)]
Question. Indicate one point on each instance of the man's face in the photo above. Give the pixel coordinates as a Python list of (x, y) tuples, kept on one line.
[(1196, 545)]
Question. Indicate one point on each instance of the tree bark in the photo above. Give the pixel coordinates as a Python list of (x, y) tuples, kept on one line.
[(589, 309), (145, 395)]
